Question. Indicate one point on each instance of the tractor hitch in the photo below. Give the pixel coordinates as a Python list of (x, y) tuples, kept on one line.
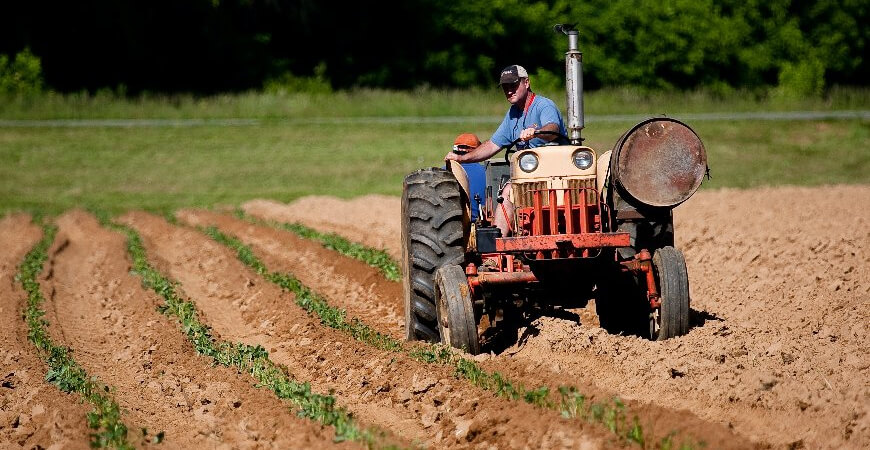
[(642, 265)]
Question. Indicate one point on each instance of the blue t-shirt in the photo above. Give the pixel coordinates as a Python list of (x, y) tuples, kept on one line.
[(476, 184), (541, 112)]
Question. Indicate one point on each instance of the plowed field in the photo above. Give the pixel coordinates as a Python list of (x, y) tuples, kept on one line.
[(777, 355)]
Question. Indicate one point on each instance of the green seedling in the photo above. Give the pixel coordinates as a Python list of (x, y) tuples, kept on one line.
[(378, 259), (571, 403), (63, 371), (253, 360)]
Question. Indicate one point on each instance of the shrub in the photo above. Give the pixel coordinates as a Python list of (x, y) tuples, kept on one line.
[(801, 79), (22, 75), (287, 83)]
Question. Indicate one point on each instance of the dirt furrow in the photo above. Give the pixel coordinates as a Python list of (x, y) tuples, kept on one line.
[(376, 218), (282, 251), (779, 292), (102, 312), (347, 283), (33, 413), (421, 403)]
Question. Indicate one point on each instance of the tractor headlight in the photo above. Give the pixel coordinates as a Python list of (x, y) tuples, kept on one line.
[(583, 159), (528, 162)]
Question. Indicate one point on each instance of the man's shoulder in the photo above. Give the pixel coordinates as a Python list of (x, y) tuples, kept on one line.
[(544, 101)]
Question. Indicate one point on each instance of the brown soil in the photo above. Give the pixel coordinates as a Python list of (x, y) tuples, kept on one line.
[(779, 284), (371, 220), (111, 322), (33, 413), (777, 355), (420, 403), (340, 280)]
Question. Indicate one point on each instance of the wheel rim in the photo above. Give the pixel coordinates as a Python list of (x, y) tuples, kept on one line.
[(442, 317)]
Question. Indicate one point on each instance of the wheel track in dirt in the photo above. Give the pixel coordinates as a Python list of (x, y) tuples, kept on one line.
[(102, 312), (778, 353), (33, 413), (420, 403), (339, 278)]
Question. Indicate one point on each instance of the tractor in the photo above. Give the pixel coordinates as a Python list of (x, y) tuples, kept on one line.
[(583, 222)]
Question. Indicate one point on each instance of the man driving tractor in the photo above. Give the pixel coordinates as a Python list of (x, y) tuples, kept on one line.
[(528, 113)]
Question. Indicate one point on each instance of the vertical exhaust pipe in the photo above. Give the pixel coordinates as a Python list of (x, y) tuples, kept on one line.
[(573, 83)]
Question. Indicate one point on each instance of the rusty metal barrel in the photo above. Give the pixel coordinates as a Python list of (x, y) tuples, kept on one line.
[(660, 162)]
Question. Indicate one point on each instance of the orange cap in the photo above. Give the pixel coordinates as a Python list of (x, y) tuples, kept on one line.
[(468, 140)]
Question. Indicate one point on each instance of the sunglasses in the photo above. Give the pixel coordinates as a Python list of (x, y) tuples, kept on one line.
[(461, 148)]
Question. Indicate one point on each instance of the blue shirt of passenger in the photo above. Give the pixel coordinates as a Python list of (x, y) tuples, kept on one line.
[(541, 111), (476, 184)]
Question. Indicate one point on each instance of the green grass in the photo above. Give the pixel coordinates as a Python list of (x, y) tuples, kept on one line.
[(63, 371), (420, 102), (165, 168), (280, 157)]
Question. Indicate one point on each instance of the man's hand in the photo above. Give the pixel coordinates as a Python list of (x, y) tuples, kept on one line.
[(527, 134), (453, 157)]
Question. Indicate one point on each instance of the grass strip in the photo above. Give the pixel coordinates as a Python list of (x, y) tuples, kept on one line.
[(569, 401), (63, 371), (378, 259), (245, 358)]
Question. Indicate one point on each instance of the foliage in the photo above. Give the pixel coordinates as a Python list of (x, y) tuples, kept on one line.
[(208, 46), (305, 298), (378, 259), (684, 44), (288, 83), (63, 370), (253, 360), (571, 403), (22, 76)]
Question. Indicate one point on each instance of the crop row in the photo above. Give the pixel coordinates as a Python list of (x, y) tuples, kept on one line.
[(63, 371), (245, 358), (568, 400), (378, 259), (254, 360)]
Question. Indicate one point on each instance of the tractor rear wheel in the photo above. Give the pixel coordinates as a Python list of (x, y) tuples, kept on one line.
[(672, 318), (433, 224), (456, 319)]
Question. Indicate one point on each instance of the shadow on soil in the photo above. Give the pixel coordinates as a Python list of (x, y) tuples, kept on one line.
[(506, 334)]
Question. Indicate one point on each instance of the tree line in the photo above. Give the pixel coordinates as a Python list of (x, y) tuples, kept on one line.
[(209, 46)]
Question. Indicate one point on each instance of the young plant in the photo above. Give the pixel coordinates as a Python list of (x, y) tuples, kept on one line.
[(378, 259), (571, 403), (253, 360), (63, 371)]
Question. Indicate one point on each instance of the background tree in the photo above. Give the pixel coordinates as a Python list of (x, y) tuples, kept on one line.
[(208, 46)]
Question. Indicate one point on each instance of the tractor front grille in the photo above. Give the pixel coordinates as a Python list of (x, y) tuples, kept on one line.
[(524, 196), (588, 187)]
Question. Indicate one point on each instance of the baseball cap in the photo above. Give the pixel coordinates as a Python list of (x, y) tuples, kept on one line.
[(465, 142), (512, 74)]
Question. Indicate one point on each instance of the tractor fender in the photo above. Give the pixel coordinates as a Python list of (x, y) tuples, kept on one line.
[(602, 173), (459, 173), (462, 177)]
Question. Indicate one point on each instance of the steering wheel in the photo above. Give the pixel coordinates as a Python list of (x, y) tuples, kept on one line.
[(510, 149)]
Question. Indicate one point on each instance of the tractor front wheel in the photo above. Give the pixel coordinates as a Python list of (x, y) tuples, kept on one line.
[(671, 319), (433, 235), (457, 324)]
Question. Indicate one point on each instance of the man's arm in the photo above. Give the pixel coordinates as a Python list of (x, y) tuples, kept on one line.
[(480, 153), (529, 133)]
